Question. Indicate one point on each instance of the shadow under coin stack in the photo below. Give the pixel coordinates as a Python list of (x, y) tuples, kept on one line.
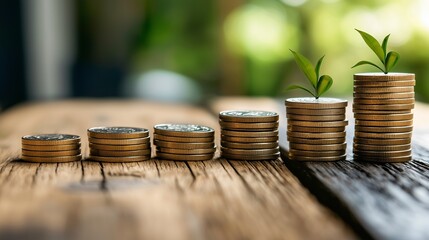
[(184, 142), (51, 148), (316, 129), (382, 107), (119, 144), (249, 135)]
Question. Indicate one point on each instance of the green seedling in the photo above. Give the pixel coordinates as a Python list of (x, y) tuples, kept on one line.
[(320, 84), (389, 59)]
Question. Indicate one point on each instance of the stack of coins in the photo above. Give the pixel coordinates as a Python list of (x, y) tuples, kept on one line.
[(316, 129), (382, 109), (249, 135), (51, 148), (119, 144), (184, 142)]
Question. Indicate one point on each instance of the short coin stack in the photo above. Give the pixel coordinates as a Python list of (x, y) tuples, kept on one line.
[(316, 129), (51, 148), (184, 142), (249, 135), (382, 108), (119, 144)]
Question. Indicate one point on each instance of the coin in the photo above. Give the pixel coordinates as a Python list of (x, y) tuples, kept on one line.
[(248, 126), (383, 135), (378, 141), (184, 130), (316, 141), (383, 129), (384, 107), (50, 139), (387, 96), (318, 118), (404, 123), (183, 139), (293, 128), (249, 145), (183, 145), (318, 159), (110, 153), (383, 153), (385, 84), (250, 152), (51, 148), (375, 112), (119, 159), (242, 157), (318, 147), (294, 152), (384, 117), (249, 116), (313, 103), (186, 151), (316, 112), (50, 154), (250, 139), (365, 101), (119, 147), (273, 133), (317, 124), (384, 90), (316, 135), (179, 157), (117, 132), (382, 159), (51, 159), (384, 77), (369, 147), (130, 141)]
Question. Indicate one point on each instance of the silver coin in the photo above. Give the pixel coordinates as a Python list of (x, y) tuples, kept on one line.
[(183, 128), (51, 137), (115, 130)]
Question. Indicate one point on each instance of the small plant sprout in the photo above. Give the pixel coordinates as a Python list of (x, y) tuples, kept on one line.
[(389, 59), (320, 84)]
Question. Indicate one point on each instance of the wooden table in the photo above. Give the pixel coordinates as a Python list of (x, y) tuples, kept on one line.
[(215, 199)]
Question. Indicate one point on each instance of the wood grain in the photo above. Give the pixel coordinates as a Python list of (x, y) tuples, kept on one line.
[(153, 199)]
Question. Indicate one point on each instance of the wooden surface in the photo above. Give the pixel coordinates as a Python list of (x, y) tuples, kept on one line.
[(153, 199)]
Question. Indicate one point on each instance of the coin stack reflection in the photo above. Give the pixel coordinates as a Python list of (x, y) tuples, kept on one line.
[(184, 142), (249, 135), (316, 129), (119, 144), (51, 148), (382, 107)]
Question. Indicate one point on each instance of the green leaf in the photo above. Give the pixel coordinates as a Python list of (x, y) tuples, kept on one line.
[(373, 44), (319, 63), (323, 85), (292, 87), (369, 63), (384, 45), (306, 67), (391, 60)]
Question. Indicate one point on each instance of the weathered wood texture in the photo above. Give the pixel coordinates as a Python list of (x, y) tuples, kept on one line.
[(382, 201), (153, 199)]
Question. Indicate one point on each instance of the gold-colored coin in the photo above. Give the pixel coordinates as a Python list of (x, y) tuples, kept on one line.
[(51, 159), (182, 157), (316, 141), (382, 142), (379, 112), (405, 123), (357, 157), (366, 101), (166, 144), (119, 159), (131, 141), (318, 147), (318, 124), (384, 90), (248, 126), (183, 139), (249, 139), (249, 145), (119, 147), (243, 157), (50, 139), (369, 147), (384, 77), (248, 116), (382, 153), (51, 153), (386, 96), (186, 151), (383, 107), (316, 112), (51, 148), (274, 133), (318, 118), (110, 153), (384, 117), (313, 103), (385, 84), (383, 129), (293, 128), (183, 130), (317, 159), (316, 135), (117, 132), (383, 135), (294, 152), (250, 151)]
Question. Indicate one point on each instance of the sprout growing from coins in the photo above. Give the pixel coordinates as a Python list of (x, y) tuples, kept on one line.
[(320, 84), (388, 59)]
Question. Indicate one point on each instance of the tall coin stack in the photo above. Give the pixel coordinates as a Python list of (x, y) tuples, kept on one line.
[(184, 142), (249, 135), (382, 109), (51, 148), (316, 129), (119, 144)]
